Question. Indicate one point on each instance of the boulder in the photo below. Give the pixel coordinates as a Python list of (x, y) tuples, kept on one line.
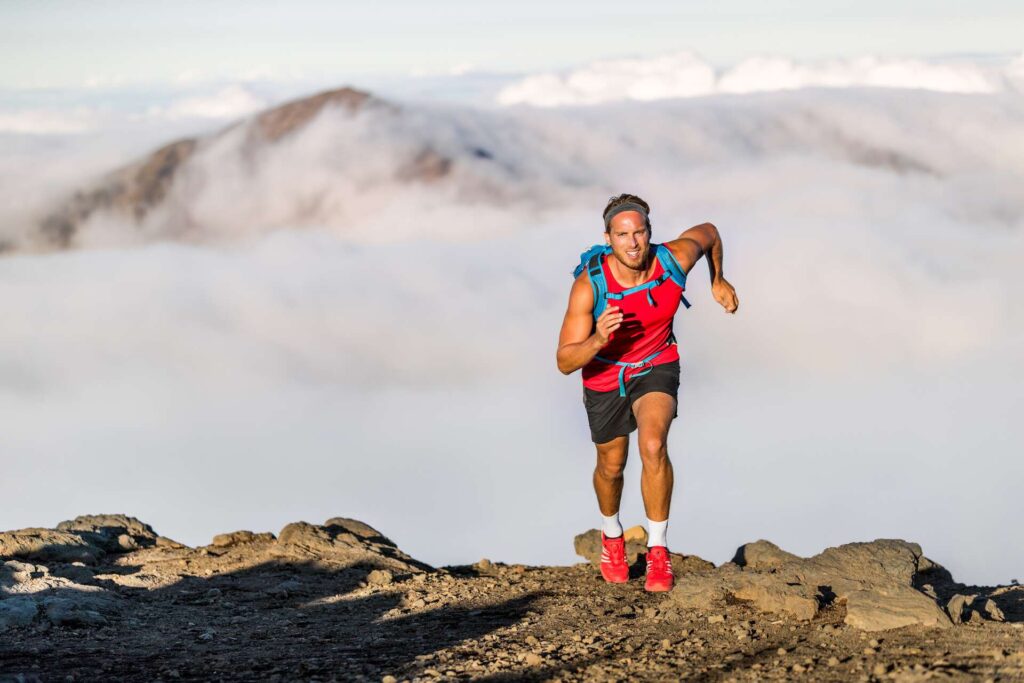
[(880, 607), (17, 611), (876, 581), (235, 538), (114, 533), (799, 601), (62, 611), (343, 541), (955, 607), (48, 545), (701, 591), (360, 529), (762, 555)]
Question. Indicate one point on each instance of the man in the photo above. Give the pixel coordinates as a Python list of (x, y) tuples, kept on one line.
[(630, 368)]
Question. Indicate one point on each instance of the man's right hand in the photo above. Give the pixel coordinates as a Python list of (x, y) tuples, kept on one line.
[(609, 321)]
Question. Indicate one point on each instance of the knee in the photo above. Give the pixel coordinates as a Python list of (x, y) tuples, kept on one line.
[(652, 448), (610, 469)]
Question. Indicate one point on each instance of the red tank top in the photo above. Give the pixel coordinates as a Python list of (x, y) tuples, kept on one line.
[(644, 330)]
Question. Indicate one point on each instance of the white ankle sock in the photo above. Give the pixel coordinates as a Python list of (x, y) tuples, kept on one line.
[(611, 526), (657, 533)]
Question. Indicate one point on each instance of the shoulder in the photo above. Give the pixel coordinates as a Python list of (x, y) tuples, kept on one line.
[(680, 252), (581, 296), (691, 244)]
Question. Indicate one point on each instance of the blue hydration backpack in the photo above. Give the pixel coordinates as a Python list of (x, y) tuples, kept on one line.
[(590, 260)]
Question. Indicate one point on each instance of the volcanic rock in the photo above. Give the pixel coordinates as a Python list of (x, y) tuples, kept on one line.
[(48, 545), (874, 580), (19, 611), (239, 538)]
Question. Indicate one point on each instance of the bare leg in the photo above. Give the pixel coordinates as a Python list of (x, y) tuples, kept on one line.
[(653, 412), (611, 461)]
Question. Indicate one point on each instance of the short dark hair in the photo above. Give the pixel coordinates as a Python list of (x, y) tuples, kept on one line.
[(622, 199)]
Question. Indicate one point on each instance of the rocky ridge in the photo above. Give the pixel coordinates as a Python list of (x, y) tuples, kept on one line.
[(106, 597)]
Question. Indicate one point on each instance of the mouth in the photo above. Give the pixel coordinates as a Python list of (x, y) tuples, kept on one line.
[(633, 254)]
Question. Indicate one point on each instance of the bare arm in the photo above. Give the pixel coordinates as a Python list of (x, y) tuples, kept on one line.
[(581, 339), (704, 240)]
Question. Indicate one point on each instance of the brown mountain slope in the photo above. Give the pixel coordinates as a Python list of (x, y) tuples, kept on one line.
[(133, 192)]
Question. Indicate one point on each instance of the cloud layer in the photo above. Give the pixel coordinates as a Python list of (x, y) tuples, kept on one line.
[(398, 365), (684, 74)]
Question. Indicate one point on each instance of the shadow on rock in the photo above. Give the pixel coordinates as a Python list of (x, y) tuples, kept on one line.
[(333, 600)]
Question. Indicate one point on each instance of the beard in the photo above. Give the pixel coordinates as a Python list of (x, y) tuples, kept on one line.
[(639, 263)]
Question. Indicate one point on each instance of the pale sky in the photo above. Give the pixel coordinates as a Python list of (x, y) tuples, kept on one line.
[(58, 43)]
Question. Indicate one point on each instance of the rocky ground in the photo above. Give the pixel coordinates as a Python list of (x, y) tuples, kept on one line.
[(106, 598)]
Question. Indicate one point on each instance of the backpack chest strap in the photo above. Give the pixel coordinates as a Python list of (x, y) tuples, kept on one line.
[(647, 286)]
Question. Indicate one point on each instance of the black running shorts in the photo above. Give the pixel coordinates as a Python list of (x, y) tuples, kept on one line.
[(611, 415)]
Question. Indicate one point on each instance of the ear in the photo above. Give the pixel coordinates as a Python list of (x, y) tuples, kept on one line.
[(607, 239)]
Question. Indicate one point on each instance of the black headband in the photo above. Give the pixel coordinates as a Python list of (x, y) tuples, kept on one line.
[(628, 206)]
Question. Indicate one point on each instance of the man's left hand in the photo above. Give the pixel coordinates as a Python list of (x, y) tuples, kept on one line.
[(725, 294)]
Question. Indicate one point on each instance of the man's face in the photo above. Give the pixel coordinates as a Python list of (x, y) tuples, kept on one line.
[(630, 239)]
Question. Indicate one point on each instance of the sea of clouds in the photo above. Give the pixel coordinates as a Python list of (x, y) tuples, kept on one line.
[(393, 360)]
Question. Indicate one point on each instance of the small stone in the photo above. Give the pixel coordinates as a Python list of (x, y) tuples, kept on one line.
[(534, 659), (666, 644), (207, 636), (389, 679), (716, 618), (833, 661), (798, 669), (880, 669), (126, 542), (532, 640), (874, 642), (781, 651), (870, 651), (484, 565), (380, 577)]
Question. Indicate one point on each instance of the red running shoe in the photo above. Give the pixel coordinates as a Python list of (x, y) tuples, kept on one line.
[(659, 569), (613, 559)]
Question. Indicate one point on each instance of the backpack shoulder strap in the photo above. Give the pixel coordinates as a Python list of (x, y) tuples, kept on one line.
[(672, 267), (590, 260), (598, 284)]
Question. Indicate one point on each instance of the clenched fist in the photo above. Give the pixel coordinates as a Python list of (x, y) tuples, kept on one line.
[(609, 321), (725, 294)]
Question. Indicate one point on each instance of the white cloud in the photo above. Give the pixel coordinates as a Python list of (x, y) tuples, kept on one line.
[(762, 74), (678, 75), (230, 102), (38, 121), (686, 75)]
